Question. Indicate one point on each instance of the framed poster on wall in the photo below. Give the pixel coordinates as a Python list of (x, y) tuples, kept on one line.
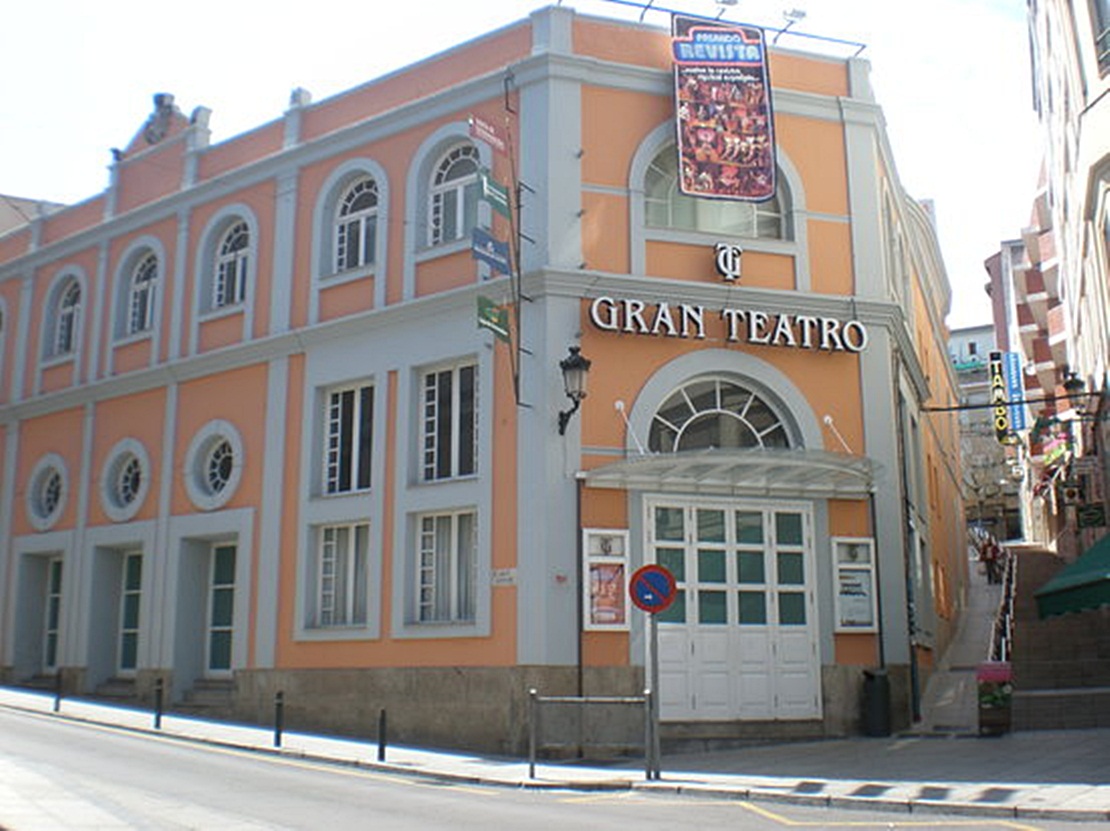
[(856, 589), (605, 579)]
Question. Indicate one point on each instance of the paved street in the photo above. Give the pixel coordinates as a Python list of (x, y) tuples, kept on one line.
[(944, 769), (59, 773)]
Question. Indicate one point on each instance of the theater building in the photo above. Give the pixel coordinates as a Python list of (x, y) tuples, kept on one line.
[(255, 439)]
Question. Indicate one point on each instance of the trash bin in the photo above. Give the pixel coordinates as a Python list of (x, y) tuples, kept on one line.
[(875, 718), (996, 687)]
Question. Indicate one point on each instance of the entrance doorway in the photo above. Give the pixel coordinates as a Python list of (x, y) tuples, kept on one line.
[(740, 640)]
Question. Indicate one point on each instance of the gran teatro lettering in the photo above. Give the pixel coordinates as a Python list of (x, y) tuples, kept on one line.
[(686, 320)]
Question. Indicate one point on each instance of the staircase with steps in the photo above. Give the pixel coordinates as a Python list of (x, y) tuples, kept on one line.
[(118, 690), (208, 698), (1061, 665)]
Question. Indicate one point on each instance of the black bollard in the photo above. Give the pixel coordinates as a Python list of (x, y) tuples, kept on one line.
[(381, 735), (158, 704), (57, 691), (279, 716)]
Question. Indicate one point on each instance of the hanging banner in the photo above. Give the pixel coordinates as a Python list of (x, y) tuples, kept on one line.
[(726, 143), (1015, 389), (1000, 409)]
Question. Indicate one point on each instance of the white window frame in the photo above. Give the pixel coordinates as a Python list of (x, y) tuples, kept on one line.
[(67, 319), (360, 439), (229, 280), (446, 585), (453, 192), (141, 294), (342, 568), (199, 461), (431, 414), (750, 216), (124, 630), (362, 222), (47, 491), (52, 620)]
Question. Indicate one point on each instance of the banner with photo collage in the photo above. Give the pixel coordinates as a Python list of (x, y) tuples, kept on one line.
[(726, 141)]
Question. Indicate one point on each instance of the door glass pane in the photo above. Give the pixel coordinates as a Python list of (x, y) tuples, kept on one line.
[(711, 566), (674, 560), (224, 572), (792, 608), (129, 646), (750, 567), (791, 569), (53, 613), (753, 608), (222, 602), (669, 524), (134, 572), (711, 526), (712, 607), (788, 529), (677, 611), (51, 650), (131, 611), (219, 650), (749, 527)]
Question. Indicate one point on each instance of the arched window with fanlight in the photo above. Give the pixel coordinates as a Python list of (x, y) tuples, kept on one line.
[(66, 319), (140, 306), (229, 287), (665, 206), (716, 412), (356, 225), (453, 202)]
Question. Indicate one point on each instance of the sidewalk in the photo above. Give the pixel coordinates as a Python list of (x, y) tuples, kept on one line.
[(1062, 775)]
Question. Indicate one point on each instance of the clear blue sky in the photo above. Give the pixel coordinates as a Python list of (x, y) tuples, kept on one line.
[(952, 77)]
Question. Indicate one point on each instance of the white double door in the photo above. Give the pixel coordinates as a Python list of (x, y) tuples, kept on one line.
[(740, 641)]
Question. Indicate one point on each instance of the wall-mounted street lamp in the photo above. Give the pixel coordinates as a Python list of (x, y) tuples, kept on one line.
[(1077, 393), (575, 367)]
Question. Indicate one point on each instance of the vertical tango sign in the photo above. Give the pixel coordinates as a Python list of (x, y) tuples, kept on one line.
[(726, 142)]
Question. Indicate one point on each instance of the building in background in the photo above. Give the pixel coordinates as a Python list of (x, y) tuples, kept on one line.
[(993, 471), (1051, 291), (254, 438)]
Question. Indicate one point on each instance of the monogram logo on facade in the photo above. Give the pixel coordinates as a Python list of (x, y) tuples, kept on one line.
[(728, 260)]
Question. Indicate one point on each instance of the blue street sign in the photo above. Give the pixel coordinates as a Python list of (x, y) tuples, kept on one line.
[(652, 588)]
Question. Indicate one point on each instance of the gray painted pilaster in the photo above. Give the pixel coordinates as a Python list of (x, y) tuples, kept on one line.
[(864, 203), (161, 581), (281, 280), (8, 574), (24, 350), (82, 482), (269, 542), (177, 307), (100, 308), (880, 425)]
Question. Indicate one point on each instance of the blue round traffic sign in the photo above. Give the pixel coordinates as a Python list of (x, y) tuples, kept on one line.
[(652, 588)]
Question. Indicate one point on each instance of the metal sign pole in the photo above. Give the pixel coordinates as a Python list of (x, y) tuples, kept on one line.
[(655, 750)]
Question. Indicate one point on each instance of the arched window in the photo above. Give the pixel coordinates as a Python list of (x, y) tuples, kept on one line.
[(356, 226), (67, 318), (140, 306), (715, 412), (665, 206), (453, 206), (230, 284)]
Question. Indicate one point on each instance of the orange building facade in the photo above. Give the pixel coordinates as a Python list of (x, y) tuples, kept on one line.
[(255, 441)]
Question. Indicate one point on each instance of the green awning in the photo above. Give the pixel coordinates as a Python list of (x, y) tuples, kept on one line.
[(1085, 584)]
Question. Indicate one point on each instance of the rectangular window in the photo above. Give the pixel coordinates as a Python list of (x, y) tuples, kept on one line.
[(450, 417), (446, 579), (341, 576), (349, 438), (1100, 23)]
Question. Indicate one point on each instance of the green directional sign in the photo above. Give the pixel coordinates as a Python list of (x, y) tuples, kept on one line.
[(493, 317), (493, 192)]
